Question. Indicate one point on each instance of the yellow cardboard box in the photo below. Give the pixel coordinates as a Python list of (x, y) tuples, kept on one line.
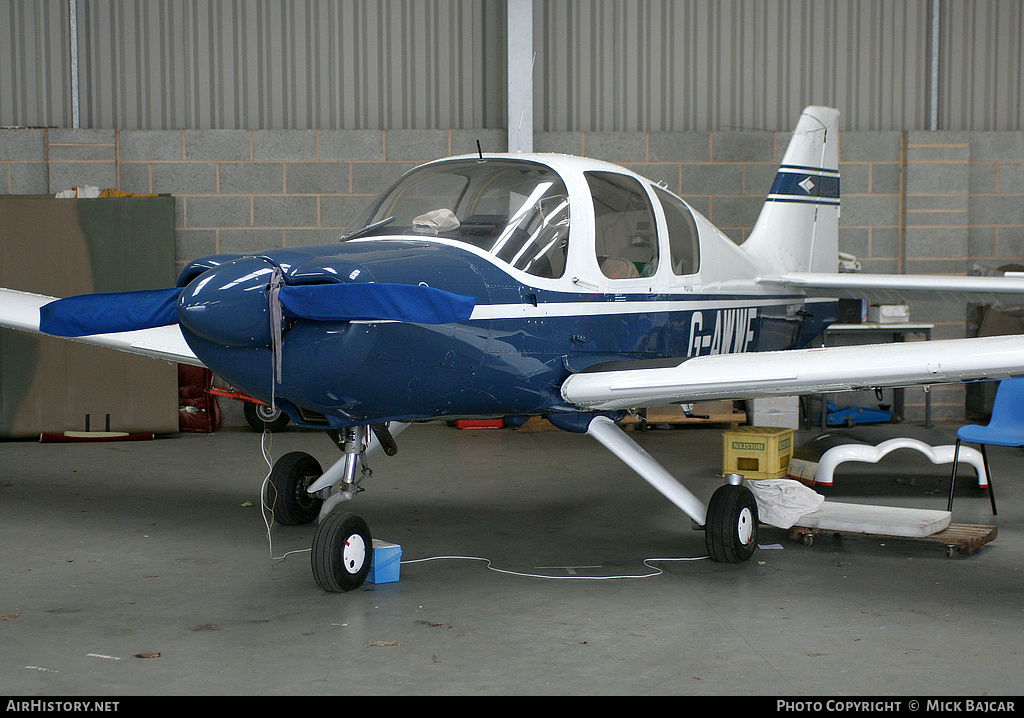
[(757, 452)]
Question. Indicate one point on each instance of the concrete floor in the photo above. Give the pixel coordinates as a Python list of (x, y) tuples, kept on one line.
[(115, 550)]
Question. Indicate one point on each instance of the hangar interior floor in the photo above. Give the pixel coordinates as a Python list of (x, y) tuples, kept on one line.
[(144, 568)]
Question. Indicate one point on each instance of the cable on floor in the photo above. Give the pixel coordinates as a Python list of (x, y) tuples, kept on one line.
[(657, 571), (266, 442)]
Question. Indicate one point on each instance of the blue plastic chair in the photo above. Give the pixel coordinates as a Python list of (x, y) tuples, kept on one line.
[(1005, 428)]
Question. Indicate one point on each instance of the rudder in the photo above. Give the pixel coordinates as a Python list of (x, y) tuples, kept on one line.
[(798, 228)]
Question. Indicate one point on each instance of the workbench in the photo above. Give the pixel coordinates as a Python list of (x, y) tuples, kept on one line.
[(898, 331)]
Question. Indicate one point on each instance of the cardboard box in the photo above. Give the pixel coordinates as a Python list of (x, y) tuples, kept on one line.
[(387, 558), (757, 452), (995, 322), (889, 313), (778, 411)]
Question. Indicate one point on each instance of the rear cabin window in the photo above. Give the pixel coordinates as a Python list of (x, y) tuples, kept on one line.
[(682, 234), (625, 238)]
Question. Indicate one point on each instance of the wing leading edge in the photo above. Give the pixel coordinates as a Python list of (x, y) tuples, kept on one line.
[(799, 371), (896, 286), (20, 310)]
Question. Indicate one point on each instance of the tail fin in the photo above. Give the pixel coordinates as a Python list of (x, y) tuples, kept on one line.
[(798, 228)]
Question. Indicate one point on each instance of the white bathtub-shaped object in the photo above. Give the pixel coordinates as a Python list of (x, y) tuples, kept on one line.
[(872, 454)]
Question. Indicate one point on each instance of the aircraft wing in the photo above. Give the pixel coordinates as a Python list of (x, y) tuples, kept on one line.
[(892, 287), (20, 310), (620, 385)]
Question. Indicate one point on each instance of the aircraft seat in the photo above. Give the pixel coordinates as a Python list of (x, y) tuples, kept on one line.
[(618, 268)]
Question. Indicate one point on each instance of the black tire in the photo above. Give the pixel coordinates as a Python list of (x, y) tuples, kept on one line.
[(342, 552), (263, 417), (286, 492), (732, 524)]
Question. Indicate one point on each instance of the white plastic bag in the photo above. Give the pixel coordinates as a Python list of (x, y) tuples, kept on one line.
[(781, 502)]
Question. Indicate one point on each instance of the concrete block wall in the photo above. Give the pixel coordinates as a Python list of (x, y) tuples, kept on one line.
[(913, 202), (236, 190)]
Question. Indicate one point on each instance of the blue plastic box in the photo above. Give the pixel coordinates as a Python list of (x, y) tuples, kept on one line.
[(387, 558)]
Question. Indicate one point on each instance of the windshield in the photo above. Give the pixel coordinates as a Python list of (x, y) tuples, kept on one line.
[(517, 211)]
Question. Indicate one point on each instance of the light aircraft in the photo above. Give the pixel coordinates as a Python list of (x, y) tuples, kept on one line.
[(528, 285)]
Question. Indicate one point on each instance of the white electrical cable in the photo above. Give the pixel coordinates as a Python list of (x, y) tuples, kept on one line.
[(268, 511), (657, 571), (268, 520)]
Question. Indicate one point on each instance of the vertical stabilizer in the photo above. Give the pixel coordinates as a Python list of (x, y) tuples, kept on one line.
[(798, 228)]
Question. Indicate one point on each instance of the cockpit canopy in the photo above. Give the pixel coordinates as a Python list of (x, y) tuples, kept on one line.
[(518, 211)]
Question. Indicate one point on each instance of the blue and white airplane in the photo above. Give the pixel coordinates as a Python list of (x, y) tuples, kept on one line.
[(528, 285)]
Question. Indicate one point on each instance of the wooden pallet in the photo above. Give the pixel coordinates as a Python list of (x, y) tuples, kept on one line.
[(957, 538), (703, 413), (964, 538)]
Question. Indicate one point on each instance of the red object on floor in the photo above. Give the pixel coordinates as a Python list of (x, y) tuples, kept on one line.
[(480, 423)]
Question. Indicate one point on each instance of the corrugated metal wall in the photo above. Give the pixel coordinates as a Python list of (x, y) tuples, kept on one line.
[(257, 64), (726, 64), (35, 82), (657, 65), (281, 64), (664, 65), (982, 65)]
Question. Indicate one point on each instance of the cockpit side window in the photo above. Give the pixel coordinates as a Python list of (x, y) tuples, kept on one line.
[(516, 211), (625, 239), (682, 234)]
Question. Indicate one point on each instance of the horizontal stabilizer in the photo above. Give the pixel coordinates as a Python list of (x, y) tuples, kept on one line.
[(892, 287)]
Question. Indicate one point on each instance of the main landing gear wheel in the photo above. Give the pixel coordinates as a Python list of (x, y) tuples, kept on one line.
[(286, 489), (342, 552), (731, 528), (261, 416)]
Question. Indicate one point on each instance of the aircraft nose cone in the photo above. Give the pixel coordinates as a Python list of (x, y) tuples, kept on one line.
[(228, 305)]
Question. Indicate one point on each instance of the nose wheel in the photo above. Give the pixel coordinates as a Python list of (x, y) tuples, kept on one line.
[(286, 494), (342, 552), (732, 523)]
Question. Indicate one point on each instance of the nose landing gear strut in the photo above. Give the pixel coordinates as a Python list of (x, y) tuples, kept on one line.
[(299, 492)]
